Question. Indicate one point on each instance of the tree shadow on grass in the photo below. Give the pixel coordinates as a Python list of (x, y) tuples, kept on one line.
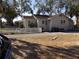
[(27, 50), (65, 53)]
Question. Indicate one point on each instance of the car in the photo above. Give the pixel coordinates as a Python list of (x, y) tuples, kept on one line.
[(5, 47)]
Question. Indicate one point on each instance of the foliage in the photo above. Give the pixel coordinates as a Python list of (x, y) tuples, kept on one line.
[(22, 6), (43, 6), (49, 6), (19, 24), (11, 11)]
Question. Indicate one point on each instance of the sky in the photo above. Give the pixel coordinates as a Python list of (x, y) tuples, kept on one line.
[(10, 2)]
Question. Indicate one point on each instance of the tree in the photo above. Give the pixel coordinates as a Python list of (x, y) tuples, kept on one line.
[(11, 11), (0, 23), (7, 11), (44, 6), (22, 6), (73, 9), (49, 6)]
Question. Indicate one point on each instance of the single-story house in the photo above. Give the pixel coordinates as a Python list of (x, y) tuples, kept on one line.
[(58, 22)]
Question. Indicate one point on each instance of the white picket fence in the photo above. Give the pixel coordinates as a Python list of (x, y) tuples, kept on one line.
[(29, 30), (20, 30)]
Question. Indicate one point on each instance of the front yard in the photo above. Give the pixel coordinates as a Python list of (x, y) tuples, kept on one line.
[(45, 46)]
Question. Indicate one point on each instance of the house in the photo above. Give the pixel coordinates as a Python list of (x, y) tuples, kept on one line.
[(58, 22), (61, 22), (36, 21)]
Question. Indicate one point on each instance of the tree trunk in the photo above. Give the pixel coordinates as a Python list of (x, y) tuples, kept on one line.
[(77, 26), (0, 23)]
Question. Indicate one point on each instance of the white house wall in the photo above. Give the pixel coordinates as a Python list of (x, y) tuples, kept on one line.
[(56, 22), (25, 22), (41, 25)]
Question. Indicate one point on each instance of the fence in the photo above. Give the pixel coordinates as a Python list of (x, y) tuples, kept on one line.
[(20, 30)]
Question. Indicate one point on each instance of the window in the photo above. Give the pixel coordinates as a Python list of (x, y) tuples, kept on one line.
[(62, 21), (43, 22)]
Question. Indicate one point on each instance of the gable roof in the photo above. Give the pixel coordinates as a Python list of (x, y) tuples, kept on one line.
[(58, 15), (69, 19), (36, 16)]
